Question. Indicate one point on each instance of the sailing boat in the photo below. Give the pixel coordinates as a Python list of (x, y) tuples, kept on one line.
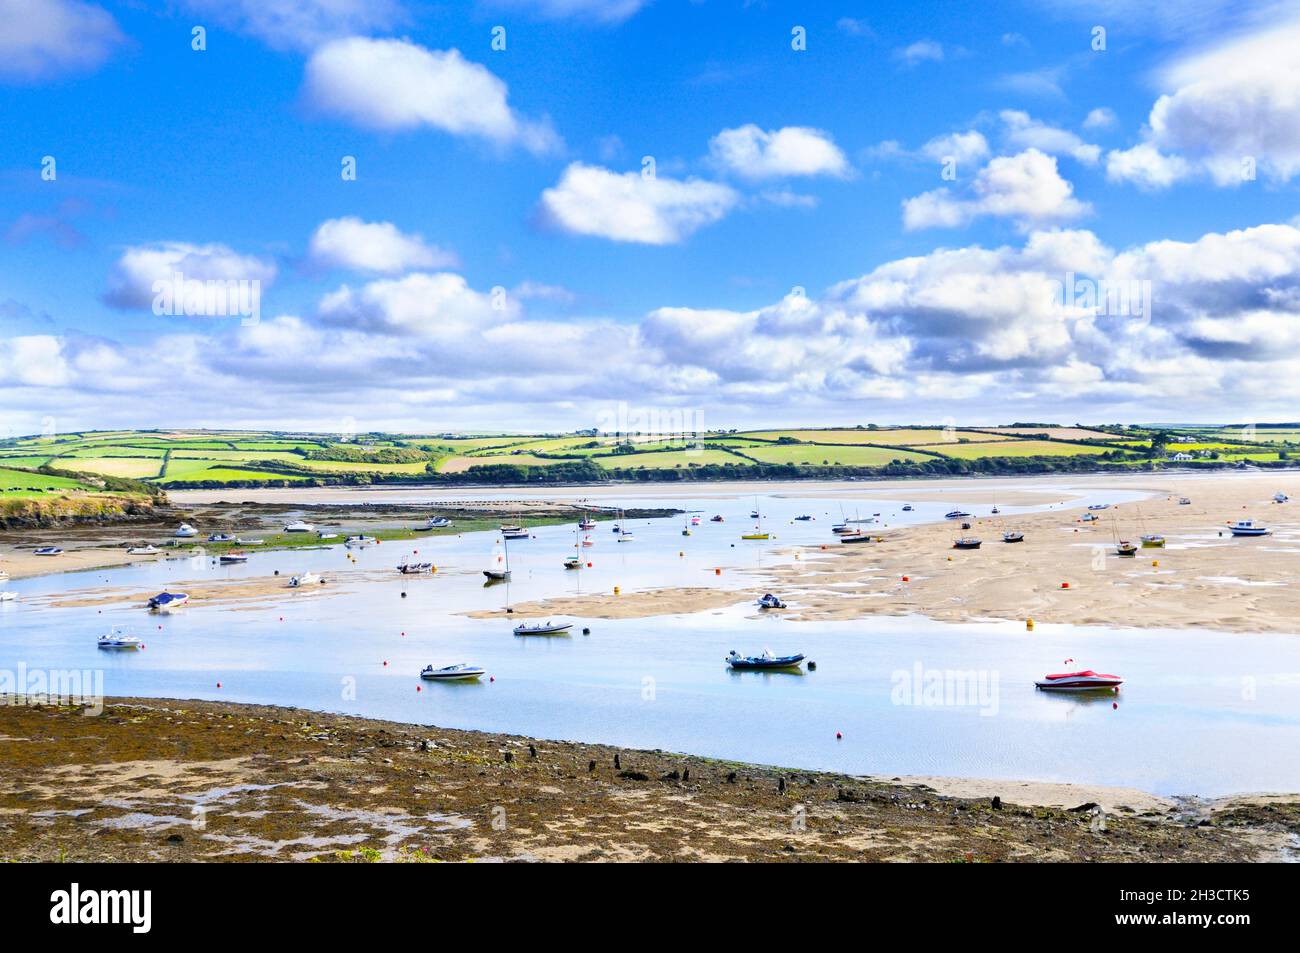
[(500, 563), (1122, 546), (1149, 540), (758, 530), (575, 561), (686, 527), (624, 534)]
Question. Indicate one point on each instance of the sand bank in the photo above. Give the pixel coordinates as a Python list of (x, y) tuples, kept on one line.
[(154, 780)]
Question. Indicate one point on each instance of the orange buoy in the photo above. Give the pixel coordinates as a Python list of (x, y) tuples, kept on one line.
[(907, 579), (717, 572), (1065, 585), (1029, 624)]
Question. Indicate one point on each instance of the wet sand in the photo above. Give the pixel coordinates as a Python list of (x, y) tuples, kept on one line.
[(1204, 577), (209, 781)]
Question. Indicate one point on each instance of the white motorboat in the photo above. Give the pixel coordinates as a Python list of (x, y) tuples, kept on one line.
[(543, 628), (437, 522), (1249, 528), (410, 568), (142, 551), (324, 535), (304, 579), (185, 531), (47, 551), (169, 600), (221, 537), (118, 639), (299, 526), (769, 601), (453, 673), (1280, 497), (359, 541), (249, 542), (8, 596), (1084, 681)]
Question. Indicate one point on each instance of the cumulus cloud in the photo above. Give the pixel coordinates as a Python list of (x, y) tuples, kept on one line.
[(301, 24), (753, 153), (1022, 131), (44, 39), (1103, 117), (920, 52), (1231, 110), (131, 280), (632, 207), (373, 246), (426, 305), (1026, 188), (395, 85), (963, 147)]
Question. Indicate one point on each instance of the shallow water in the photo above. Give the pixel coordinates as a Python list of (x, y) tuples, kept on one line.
[(1200, 712)]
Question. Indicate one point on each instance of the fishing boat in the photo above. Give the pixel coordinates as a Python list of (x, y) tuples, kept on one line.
[(1153, 541), (586, 523), (118, 639), (500, 569), (169, 600), (1013, 537), (1084, 681), (765, 661), (803, 519), (907, 507), (185, 531), (47, 551), (233, 557), (221, 538), (1249, 528), (1125, 548), (543, 628), (452, 673), (716, 518), (769, 601), (411, 569), (142, 551), (955, 514), (358, 542), (856, 537), (8, 596), (966, 542), (304, 579), (299, 526)]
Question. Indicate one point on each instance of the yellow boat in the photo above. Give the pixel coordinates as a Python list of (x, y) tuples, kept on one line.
[(755, 536)]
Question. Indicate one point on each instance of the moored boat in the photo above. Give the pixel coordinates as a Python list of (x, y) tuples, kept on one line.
[(185, 531), (1083, 681), (857, 537), (47, 551), (410, 568), (299, 526), (142, 551), (8, 596), (233, 557), (169, 600), (304, 579), (907, 507), (221, 538), (769, 601), (765, 661), (462, 671), (543, 628), (955, 514), (966, 542), (1249, 528), (716, 518), (358, 542), (1013, 537), (1153, 541), (1125, 548), (118, 639)]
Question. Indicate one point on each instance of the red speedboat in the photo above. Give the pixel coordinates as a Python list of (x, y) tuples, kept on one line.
[(1084, 681)]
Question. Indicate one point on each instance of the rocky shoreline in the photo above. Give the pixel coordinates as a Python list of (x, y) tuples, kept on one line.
[(158, 780)]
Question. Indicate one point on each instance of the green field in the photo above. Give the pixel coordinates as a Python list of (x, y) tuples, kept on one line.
[(177, 459)]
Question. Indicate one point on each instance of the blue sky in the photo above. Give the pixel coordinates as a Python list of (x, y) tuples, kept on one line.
[(520, 170)]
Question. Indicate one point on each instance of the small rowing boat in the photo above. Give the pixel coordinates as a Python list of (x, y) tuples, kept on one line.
[(1010, 537), (233, 557), (1153, 541), (967, 542)]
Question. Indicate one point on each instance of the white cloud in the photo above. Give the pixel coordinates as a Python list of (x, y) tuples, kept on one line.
[(1022, 131), (963, 147), (131, 280), (397, 85), (43, 39), (426, 305), (600, 11), (1103, 117), (373, 246), (919, 52), (631, 207), (1233, 108), (301, 24), (855, 26), (791, 151), (1025, 188), (1146, 166)]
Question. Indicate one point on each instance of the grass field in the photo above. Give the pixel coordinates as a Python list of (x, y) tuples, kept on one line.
[(250, 458)]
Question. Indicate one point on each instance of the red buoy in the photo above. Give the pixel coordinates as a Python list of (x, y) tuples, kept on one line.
[(838, 736)]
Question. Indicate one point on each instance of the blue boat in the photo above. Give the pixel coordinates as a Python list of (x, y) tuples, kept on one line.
[(169, 600), (765, 661)]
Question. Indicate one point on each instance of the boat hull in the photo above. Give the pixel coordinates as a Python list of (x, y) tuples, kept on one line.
[(755, 664), (543, 630)]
